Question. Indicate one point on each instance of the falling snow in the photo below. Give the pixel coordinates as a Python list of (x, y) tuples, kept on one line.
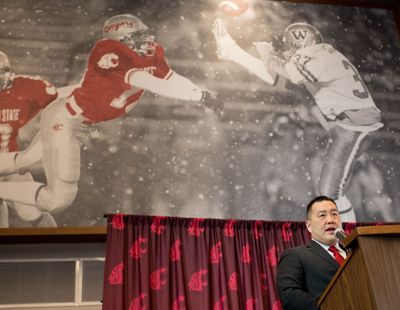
[(167, 157)]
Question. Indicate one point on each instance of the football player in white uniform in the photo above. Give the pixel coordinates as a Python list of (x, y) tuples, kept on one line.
[(336, 86), (120, 68)]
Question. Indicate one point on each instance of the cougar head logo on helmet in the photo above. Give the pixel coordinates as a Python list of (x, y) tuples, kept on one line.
[(131, 31), (6, 74), (299, 35)]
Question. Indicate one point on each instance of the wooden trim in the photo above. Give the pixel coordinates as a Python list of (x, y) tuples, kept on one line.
[(53, 235), (334, 279), (360, 3), (358, 231), (369, 279), (371, 230)]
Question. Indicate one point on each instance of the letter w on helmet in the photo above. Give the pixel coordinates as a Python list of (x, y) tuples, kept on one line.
[(299, 35)]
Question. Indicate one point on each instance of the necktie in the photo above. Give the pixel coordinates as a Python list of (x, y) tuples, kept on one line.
[(339, 258)]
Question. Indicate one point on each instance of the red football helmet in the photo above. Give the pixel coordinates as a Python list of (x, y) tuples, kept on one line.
[(299, 35), (131, 31), (6, 74)]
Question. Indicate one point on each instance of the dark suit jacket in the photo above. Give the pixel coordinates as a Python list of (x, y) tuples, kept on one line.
[(303, 274)]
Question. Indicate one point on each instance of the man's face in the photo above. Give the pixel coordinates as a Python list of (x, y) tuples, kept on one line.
[(141, 42), (323, 219), (6, 74)]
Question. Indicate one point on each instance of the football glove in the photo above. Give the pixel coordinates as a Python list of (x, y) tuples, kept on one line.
[(224, 41), (211, 101)]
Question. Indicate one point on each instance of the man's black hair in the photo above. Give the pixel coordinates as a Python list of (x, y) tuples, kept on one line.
[(318, 199)]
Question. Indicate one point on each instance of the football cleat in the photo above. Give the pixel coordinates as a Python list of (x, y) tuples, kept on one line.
[(131, 31), (346, 209)]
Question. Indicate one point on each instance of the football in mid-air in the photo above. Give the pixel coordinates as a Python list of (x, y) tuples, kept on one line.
[(234, 7)]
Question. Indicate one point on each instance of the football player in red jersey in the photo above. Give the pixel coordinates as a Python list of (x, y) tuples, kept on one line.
[(21, 99), (120, 68), (335, 84)]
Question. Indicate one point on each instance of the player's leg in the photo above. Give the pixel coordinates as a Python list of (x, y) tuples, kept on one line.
[(61, 163), (45, 220), (23, 161), (25, 212), (22, 192), (61, 159), (342, 149), (346, 139), (30, 159), (4, 220), (7, 166), (29, 213)]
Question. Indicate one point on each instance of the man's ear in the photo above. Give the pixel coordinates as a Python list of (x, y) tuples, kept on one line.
[(308, 225)]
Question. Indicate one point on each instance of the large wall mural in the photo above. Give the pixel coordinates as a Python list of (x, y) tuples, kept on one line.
[(310, 95)]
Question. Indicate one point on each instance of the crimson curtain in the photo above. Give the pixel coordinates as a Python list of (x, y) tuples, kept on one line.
[(181, 263)]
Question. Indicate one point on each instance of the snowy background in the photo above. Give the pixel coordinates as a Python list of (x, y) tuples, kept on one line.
[(261, 161)]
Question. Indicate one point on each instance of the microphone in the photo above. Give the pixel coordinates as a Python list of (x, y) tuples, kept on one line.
[(340, 234)]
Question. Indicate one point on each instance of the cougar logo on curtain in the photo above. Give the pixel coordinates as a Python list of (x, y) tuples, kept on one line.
[(157, 226), (232, 283), (216, 253), (138, 248), (220, 304), (118, 222), (138, 303), (287, 232), (116, 275), (263, 281), (158, 279), (277, 305), (194, 228), (257, 229), (176, 251), (198, 281), (246, 257), (229, 229), (179, 303), (272, 257), (250, 304)]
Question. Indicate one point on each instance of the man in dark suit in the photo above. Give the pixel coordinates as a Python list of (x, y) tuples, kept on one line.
[(305, 271)]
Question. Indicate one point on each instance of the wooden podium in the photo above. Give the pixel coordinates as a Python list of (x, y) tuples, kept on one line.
[(369, 278)]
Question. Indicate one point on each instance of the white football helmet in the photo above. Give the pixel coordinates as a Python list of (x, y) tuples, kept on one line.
[(131, 31), (299, 35), (6, 74)]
